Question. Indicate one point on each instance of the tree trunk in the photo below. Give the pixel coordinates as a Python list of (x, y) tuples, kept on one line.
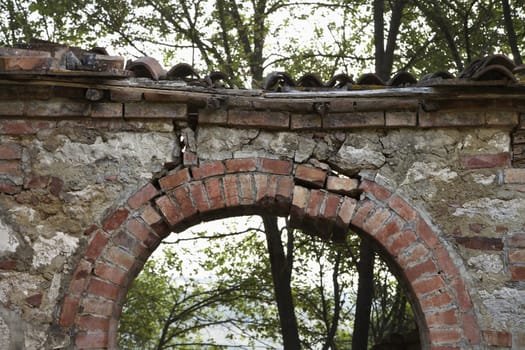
[(281, 266), (379, 37), (365, 293), (509, 27)]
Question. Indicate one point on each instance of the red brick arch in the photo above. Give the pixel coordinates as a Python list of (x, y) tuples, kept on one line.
[(123, 241)]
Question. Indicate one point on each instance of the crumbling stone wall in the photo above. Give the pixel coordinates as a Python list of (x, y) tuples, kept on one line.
[(90, 188)]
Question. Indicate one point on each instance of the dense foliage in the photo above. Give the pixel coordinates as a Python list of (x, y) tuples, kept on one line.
[(215, 288), (248, 39)]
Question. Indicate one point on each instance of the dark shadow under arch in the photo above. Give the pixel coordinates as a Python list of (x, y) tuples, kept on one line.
[(125, 239)]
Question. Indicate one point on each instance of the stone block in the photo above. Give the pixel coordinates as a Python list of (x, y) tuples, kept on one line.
[(342, 185)]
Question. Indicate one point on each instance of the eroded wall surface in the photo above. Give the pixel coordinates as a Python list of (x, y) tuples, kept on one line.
[(66, 163)]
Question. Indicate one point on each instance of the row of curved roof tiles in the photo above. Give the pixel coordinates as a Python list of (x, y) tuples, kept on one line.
[(50, 58)]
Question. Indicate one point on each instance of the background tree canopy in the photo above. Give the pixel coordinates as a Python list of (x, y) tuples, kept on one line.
[(214, 289), (248, 39)]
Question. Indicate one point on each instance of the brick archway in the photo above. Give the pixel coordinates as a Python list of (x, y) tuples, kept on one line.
[(122, 242)]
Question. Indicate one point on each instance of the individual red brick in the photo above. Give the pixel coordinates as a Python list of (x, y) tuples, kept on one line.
[(10, 151), (214, 191), (342, 185), (353, 120), (9, 187), (47, 109), (176, 179), (462, 296), (126, 241), (427, 267), (514, 175), (247, 191), (125, 96), (301, 196), (183, 200), (107, 110), (276, 166), (156, 110), (285, 187), (37, 181), (138, 229), (497, 338), (331, 206), (18, 127), (120, 257), (208, 170), (142, 196), (110, 273), (471, 329), (361, 212), (451, 118), (34, 300), (10, 167), (261, 187), (375, 221), (403, 118), (305, 121), (117, 218), (401, 241), (93, 323), (517, 273), (436, 301), (315, 202), (428, 285), (98, 306), (402, 208), (481, 243), (439, 318), (444, 261), (377, 191), (12, 108), (262, 119), (391, 228), (199, 196), (517, 240), (91, 341), (346, 212), (169, 210), (80, 277), (240, 165), (69, 311), (231, 191), (445, 335), (424, 231), (97, 244), (481, 161), (150, 216), (189, 158), (103, 289), (310, 175), (517, 255), (8, 265), (412, 254)]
